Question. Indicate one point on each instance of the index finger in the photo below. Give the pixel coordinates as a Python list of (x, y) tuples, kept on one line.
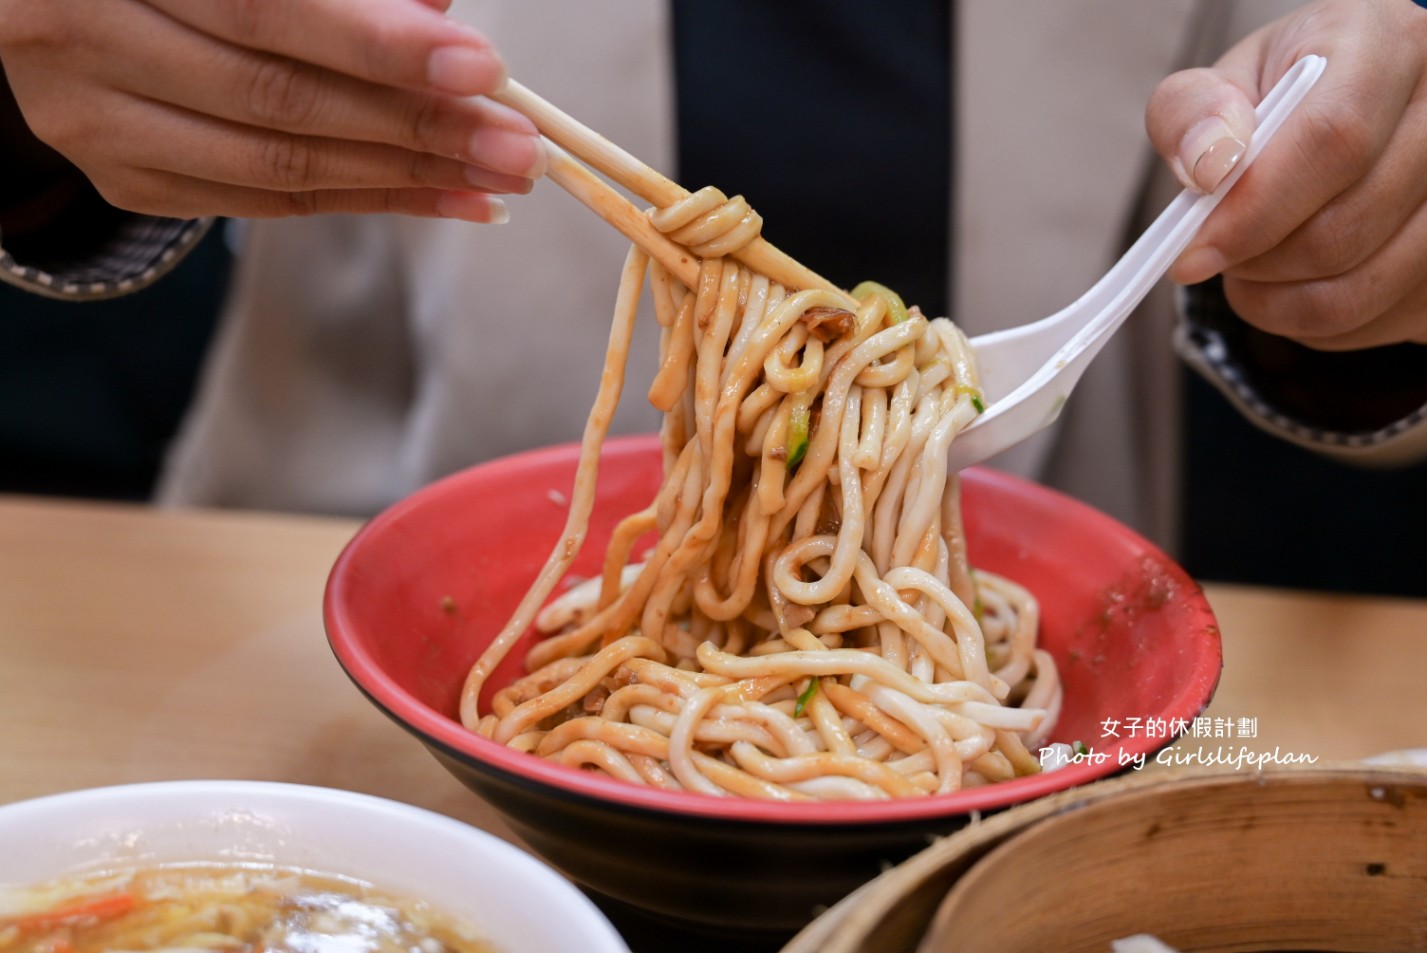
[(406, 43)]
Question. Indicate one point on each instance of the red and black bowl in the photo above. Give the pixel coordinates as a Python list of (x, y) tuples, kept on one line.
[(422, 588)]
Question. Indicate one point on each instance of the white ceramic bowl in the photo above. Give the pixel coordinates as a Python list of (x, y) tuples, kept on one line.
[(521, 905)]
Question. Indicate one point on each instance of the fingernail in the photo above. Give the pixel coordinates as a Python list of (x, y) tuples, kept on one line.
[(1198, 263), (1217, 162), (499, 114), (487, 181), (1208, 153), (472, 207), (504, 150), (542, 160), (464, 70)]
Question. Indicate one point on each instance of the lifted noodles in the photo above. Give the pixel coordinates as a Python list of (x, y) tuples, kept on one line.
[(807, 625)]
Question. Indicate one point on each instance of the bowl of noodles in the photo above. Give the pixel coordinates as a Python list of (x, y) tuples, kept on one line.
[(247, 865), (425, 589), (722, 676)]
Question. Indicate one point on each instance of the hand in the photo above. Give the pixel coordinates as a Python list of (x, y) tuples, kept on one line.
[(1324, 238), (270, 108)]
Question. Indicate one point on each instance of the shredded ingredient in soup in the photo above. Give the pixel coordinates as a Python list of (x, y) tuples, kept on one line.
[(184, 908)]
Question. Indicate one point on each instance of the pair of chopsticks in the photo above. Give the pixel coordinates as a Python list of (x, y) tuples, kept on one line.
[(564, 132)]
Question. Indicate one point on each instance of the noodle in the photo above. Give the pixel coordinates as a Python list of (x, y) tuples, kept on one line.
[(806, 624)]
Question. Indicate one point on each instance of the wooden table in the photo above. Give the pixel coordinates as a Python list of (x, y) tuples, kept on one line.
[(139, 644)]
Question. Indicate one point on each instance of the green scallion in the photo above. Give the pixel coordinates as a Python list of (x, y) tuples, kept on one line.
[(799, 423), (805, 697), (896, 308)]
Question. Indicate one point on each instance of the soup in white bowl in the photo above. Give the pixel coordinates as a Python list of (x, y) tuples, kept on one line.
[(242, 866)]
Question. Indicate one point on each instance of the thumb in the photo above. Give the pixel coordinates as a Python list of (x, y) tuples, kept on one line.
[(1200, 122)]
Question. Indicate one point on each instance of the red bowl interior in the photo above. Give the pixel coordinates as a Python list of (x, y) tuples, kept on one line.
[(424, 586)]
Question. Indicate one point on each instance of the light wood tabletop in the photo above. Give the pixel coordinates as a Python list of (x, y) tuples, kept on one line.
[(142, 644)]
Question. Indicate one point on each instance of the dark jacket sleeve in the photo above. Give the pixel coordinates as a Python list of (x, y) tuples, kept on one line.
[(125, 253), (1367, 407), (59, 237)]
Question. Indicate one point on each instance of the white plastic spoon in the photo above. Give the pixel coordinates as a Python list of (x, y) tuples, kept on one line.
[(1028, 372)]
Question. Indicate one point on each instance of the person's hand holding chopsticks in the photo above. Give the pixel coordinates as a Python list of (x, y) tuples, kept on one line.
[(262, 109)]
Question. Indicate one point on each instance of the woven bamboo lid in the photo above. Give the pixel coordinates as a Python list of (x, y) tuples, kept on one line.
[(1322, 858)]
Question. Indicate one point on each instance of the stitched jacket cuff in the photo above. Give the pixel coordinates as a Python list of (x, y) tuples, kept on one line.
[(1367, 407), (137, 252)]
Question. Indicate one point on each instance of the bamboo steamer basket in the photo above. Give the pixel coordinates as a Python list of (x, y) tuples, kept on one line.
[(1303, 858)]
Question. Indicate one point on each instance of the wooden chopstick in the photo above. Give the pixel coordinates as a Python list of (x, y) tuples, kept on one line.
[(590, 147), (595, 194), (628, 171)]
